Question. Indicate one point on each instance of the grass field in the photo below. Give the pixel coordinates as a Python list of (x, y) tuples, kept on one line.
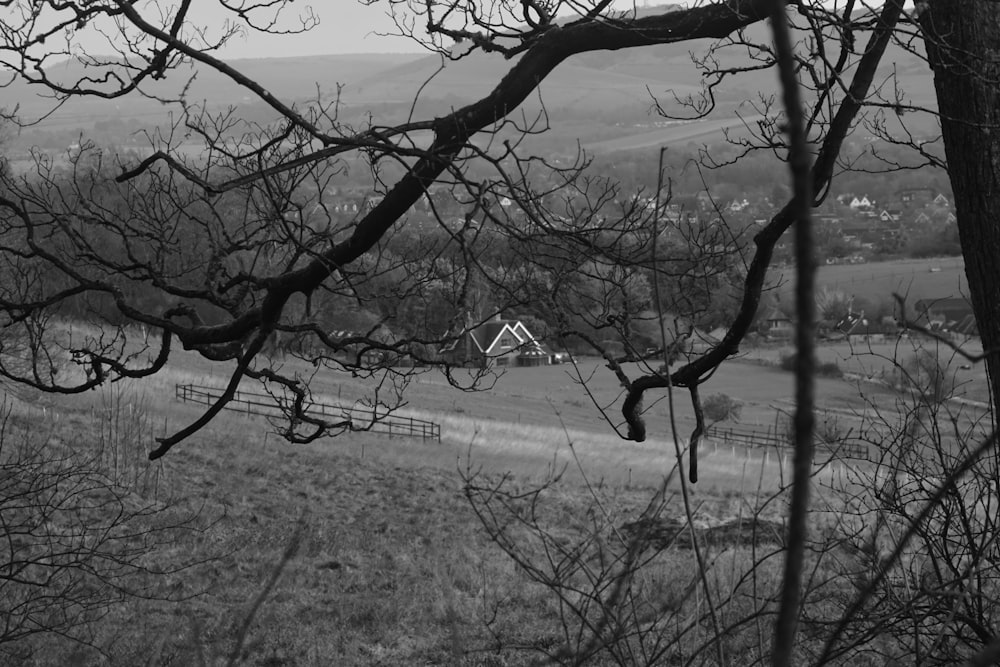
[(705, 131), (378, 555), (911, 278)]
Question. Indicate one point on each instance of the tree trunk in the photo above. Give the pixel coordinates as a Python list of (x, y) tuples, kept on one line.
[(963, 47)]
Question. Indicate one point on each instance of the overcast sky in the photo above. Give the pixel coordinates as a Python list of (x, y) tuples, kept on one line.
[(346, 26)]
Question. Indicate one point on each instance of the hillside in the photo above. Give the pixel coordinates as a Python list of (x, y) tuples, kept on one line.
[(603, 97), (286, 78), (576, 84)]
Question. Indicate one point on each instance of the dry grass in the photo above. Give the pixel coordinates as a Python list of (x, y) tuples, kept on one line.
[(391, 565), (878, 281)]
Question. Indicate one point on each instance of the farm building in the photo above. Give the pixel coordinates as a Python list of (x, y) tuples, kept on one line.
[(966, 327), (504, 342), (856, 328), (915, 196), (358, 346), (700, 341), (952, 314), (863, 203), (778, 325)]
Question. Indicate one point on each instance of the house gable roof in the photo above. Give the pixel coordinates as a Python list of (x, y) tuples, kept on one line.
[(487, 336), (777, 316), (967, 326), (951, 305)]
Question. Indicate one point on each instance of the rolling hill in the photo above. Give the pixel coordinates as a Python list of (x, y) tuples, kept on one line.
[(610, 90), (286, 78)]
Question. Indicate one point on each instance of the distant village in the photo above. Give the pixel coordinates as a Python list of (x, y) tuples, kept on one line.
[(508, 342), (946, 317), (851, 228)]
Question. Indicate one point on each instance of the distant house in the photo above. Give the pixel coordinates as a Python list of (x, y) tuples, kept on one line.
[(779, 325), (503, 342), (346, 206), (718, 334), (890, 215), (966, 327), (705, 199), (373, 200), (863, 203), (871, 331), (941, 201), (915, 196), (701, 341), (946, 314), (672, 213), (856, 328), (362, 347)]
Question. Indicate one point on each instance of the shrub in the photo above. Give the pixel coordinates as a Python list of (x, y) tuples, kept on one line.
[(824, 369), (829, 369), (787, 362), (721, 407)]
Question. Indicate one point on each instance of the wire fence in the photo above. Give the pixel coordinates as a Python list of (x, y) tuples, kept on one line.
[(841, 448), (361, 418)]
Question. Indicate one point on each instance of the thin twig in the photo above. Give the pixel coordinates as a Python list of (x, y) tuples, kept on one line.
[(675, 434)]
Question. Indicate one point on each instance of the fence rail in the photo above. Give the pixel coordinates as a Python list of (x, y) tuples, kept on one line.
[(266, 405), (840, 449)]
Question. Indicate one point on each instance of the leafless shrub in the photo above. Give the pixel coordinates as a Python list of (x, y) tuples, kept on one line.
[(75, 544), (920, 526), (125, 434), (720, 408)]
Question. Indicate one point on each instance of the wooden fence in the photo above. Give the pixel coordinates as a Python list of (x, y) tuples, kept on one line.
[(265, 405), (847, 448)]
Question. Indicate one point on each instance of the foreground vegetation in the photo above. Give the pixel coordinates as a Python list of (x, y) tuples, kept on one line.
[(367, 550), (247, 250)]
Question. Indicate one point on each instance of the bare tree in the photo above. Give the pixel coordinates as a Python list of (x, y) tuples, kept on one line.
[(961, 40), (227, 251)]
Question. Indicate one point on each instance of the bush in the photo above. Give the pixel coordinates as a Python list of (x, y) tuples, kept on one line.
[(721, 407), (829, 369), (824, 369), (925, 375), (787, 362), (80, 537)]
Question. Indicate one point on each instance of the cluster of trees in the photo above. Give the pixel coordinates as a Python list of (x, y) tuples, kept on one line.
[(211, 250)]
